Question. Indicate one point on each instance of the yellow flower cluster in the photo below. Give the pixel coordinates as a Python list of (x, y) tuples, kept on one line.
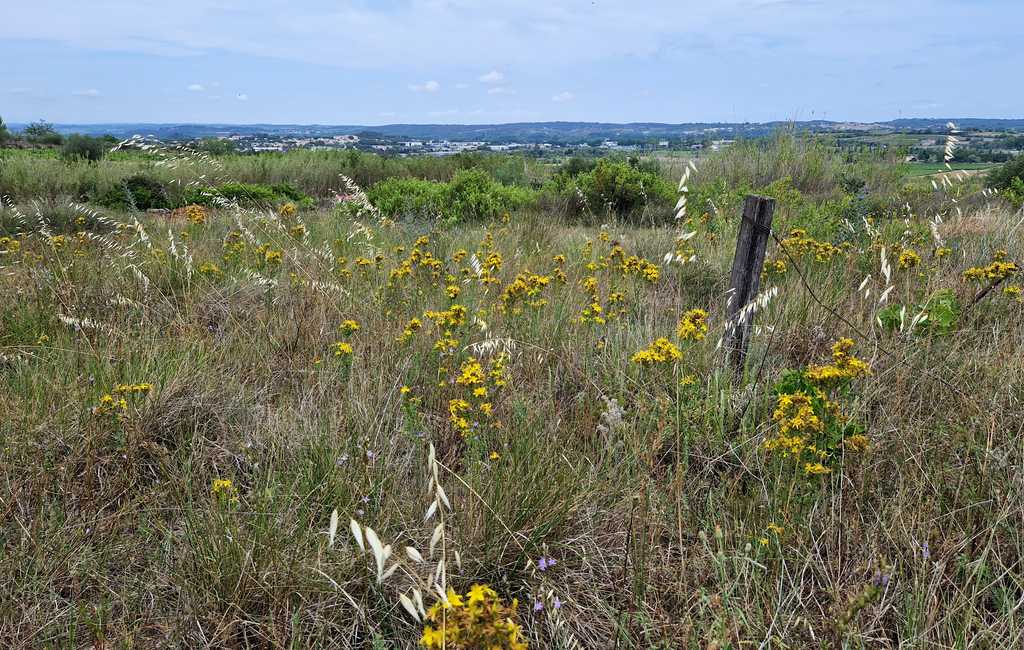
[(798, 244), (209, 268), (810, 424), (479, 385), (526, 287), (223, 490), (269, 255), (110, 407), (661, 351), (844, 365), (419, 259), (414, 325), (196, 214), (641, 267), (693, 326), (795, 413), (775, 267), (908, 259), (477, 620), (454, 316), (798, 424), (133, 389), (116, 407), (9, 245), (997, 270)]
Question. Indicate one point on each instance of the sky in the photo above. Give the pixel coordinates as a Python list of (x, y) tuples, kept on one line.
[(491, 61)]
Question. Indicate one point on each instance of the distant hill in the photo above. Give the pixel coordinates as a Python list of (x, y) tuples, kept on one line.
[(555, 132)]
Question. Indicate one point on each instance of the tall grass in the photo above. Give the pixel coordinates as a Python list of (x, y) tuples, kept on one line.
[(669, 523)]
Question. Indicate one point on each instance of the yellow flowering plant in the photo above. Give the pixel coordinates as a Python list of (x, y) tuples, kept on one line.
[(811, 428), (477, 619)]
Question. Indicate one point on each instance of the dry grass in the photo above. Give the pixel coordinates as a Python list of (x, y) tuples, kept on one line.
[(656, 507)]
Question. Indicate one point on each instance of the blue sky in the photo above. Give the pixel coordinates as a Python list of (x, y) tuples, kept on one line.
[(469, 61)]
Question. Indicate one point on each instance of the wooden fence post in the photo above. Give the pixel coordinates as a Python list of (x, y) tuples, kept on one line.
[(745, 279)]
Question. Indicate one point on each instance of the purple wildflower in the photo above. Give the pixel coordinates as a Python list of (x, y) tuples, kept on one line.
[(545, 563)]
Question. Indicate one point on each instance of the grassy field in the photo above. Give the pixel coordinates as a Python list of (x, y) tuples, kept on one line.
[(223, 427), (928, 169)]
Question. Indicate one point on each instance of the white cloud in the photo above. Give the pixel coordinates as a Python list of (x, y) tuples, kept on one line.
[(427, 87), (196, 88), (91, 92), (463, 33), (500, 90), (242, 97), (564, 96), (492, 77)]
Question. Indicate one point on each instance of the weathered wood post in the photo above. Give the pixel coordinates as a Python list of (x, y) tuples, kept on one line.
[(755, 227)]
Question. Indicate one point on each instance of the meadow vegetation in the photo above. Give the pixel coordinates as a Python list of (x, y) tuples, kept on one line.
[(482, 404)]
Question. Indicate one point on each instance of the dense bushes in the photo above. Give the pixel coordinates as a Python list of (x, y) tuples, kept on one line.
[(140, 191), (144, 192), (1009, 179), (42, 133), (622, 188), (471, 195), (84, 147), (247, 193), (408, 197)]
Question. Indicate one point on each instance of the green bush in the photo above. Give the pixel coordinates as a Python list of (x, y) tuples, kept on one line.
[(42, 133), (471, 195), (140, 192), (622, 189), (408, 197), (247, 193), (4, 133), (1015, 192), (575, 166), (83, 147), (1001, 177)]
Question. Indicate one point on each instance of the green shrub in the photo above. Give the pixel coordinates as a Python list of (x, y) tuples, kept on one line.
[(622, 189), (473, 195), (42, 133), (140, 192), (1009, 178), (408, 197), (1015, 192), (247, 193), (4, 133), (83, 147), (470, 196)]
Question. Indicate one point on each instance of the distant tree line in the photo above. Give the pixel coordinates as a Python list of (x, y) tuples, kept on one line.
[(73, 147)]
